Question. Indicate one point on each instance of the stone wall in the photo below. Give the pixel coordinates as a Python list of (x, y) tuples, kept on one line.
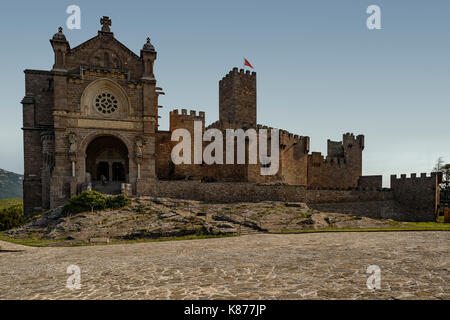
[(163, 162), (250, 192), (385, 209), (341, 168), (375, 182), (419, 194), (368, 202)]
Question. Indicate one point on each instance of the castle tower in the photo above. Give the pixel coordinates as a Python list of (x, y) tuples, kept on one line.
[(353, 148), (237, 100)]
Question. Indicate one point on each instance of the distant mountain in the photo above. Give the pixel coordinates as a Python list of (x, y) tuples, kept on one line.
[(10, 185)]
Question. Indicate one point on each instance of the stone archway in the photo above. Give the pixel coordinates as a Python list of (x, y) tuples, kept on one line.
[(107, 163)]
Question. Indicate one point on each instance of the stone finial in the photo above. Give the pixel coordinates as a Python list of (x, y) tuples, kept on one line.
[(106, 23), (148, 46), (59, 36)]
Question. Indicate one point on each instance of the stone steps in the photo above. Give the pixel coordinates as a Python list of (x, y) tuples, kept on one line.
[(243, 230)]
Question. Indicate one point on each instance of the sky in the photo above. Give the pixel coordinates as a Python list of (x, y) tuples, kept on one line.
[(320, 71)]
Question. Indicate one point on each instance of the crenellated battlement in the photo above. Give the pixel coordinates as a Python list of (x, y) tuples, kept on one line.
[(421, 194), (236, 74), (414, 178), (184, 114), (288, 139), (349, 139), (180, 119), (318, 160)]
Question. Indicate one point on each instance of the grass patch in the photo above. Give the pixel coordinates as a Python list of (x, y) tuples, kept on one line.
[(35, 242), (431, 225), (31, 242), (393, 226), (7, 203), (190, 237)]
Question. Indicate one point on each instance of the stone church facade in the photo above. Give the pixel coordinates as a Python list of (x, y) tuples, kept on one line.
[(92, 121)]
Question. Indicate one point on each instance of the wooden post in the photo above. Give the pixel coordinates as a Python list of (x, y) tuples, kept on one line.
[(447, 215)]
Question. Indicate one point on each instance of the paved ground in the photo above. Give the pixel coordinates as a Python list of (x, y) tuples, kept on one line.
[(304, 266)]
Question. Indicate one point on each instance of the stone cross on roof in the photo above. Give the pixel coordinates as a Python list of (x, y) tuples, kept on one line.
[(106, 23)]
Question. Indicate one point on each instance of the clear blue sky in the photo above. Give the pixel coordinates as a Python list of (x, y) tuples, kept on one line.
[(321, 72)]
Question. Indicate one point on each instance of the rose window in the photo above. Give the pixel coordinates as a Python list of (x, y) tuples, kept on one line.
[(106, 103)]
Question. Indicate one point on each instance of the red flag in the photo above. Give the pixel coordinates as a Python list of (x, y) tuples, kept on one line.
[(246, 63)]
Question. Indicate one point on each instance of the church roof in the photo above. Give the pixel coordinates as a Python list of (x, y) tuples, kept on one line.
[(105, 32)]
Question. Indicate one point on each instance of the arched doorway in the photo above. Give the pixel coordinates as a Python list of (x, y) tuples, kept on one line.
[(107, 163)]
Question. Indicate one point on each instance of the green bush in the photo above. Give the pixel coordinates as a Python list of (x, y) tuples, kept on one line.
[(93, 200), (118, 201), (86, 201), (11, 217)]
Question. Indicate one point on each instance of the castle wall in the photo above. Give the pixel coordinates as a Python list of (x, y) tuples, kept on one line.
[(228, 192), (384, 209), (185, 120), (375, 182), (419, 194), (163, 162), (415, 199), (336, 171), (384, 203), (293, 158)]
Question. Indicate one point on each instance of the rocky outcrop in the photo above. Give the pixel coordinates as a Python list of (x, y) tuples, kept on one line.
[(154, 218)]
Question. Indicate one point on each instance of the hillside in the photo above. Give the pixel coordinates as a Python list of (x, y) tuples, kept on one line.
[(151, 218), (10, 185)]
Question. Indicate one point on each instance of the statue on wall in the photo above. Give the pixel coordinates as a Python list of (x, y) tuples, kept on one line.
[(72, 143), (139, 147)]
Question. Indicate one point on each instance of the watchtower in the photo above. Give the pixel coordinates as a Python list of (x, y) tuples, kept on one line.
[(237, 99)]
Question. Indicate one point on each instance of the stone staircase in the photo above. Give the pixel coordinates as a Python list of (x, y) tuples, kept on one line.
[(244, 230)]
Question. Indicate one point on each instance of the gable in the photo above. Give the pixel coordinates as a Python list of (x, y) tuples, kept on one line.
[(104, 52)]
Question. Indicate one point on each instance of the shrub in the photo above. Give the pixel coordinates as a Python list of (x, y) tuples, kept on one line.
[(86, 201), (93, 200), (118, 201), (11, 217)]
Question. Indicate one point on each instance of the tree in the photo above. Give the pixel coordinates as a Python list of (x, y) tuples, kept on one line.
[(439, 165), (445, 187), (446, 176)]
